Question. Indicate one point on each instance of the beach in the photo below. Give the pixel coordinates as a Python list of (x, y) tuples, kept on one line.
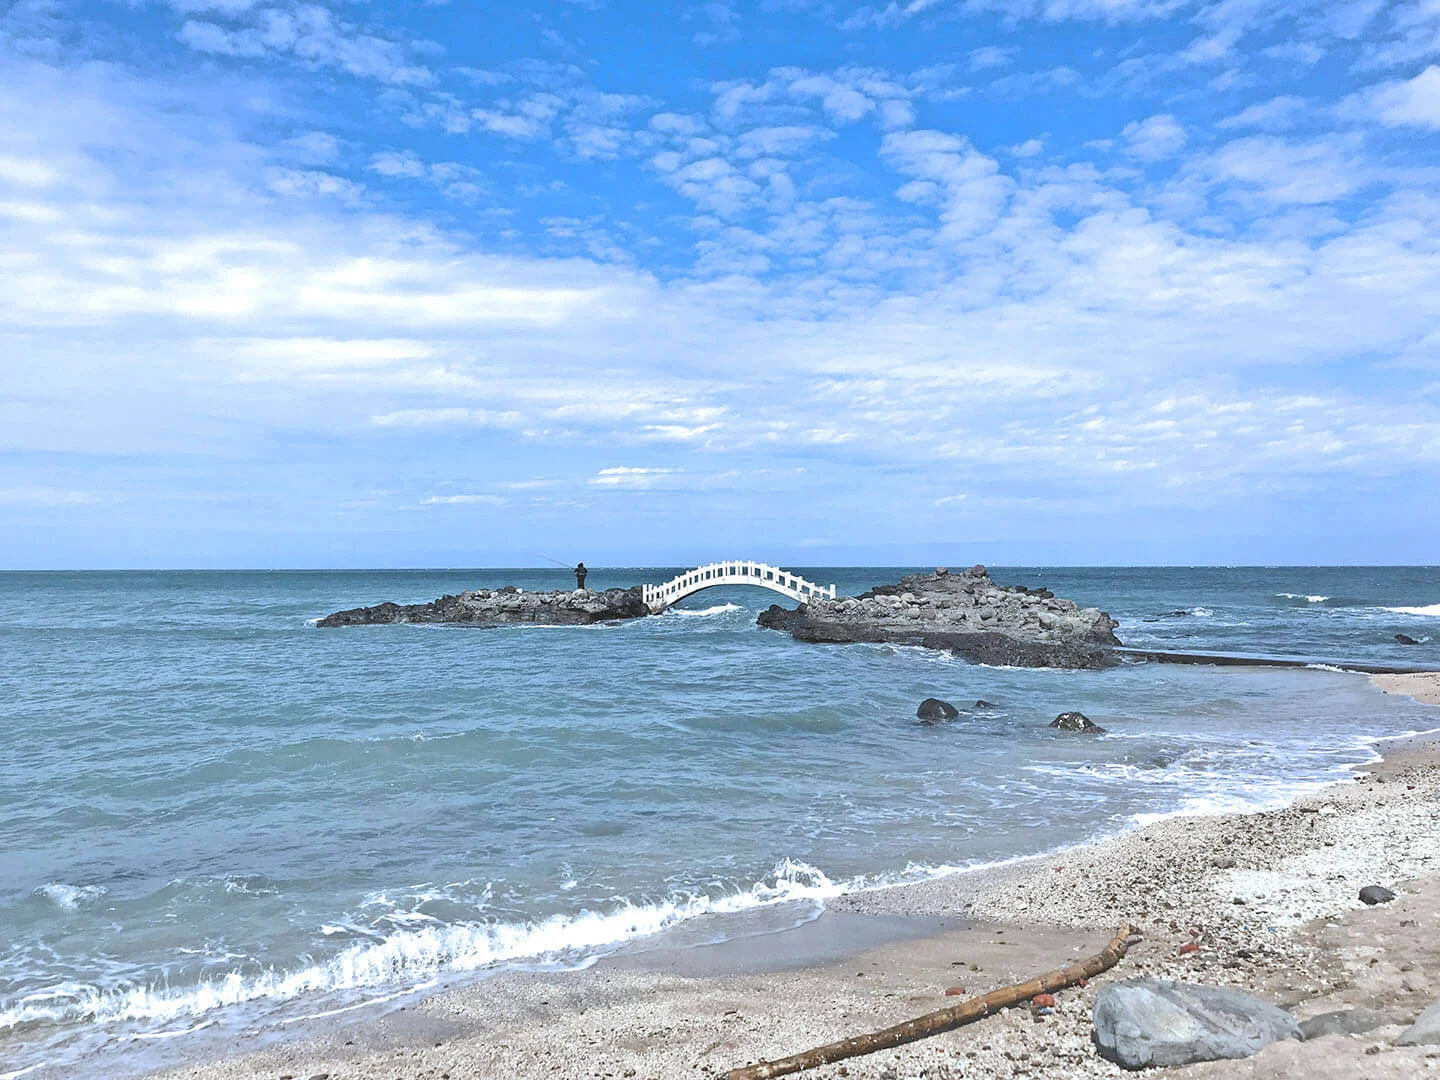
[(1269, 898)]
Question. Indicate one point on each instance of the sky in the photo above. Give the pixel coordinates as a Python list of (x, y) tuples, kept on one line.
[(310, 284)]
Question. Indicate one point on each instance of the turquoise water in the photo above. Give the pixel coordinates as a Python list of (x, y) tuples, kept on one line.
[(215, 814)]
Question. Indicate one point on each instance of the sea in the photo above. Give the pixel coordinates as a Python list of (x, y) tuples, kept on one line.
[(218, 820)]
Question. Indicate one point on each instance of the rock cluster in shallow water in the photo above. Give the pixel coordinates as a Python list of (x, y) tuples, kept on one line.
[(965, 612), (496, 607)]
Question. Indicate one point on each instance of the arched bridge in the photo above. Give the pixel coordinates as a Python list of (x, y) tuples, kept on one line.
[(659, 597)]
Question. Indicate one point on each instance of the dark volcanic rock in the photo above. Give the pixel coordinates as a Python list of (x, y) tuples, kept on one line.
[(1376, 894), (966, 613), (1077, 721), (1406, 639), (983, 704), (497, 607), (933, 709)]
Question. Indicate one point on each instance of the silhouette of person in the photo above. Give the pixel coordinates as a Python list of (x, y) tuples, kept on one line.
[(580, 573)]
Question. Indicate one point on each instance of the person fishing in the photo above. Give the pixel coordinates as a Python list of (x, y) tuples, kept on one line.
[(578, 569)]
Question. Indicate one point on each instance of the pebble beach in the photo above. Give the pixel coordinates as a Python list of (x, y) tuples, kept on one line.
[(1265, 902)]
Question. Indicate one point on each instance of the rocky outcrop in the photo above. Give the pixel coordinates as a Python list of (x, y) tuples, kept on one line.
[(1077, 721), (966, 613), (498, 607), (932, 710), (1142, 1023)]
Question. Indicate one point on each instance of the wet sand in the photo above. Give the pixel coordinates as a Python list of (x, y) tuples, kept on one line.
[(1270, 898)]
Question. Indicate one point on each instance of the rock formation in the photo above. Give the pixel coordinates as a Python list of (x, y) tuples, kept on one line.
[(497, 607), (966, 613), (932, 710), (1143, 1023), (1077, 721)]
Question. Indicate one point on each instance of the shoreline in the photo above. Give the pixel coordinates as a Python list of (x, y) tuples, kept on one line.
[(1274, 913)]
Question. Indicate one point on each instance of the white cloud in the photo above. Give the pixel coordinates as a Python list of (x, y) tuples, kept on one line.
[(976, 323), (1034, 82), (464, 500), (47, 497), (1109, 11), (310, 33), (448, 416), (314, 147), (630, 477), (723, 23), (1153, 139), (1402, 102), (1276, 114), (404, 163), (993, 56), (1291, 171), (968, 185)]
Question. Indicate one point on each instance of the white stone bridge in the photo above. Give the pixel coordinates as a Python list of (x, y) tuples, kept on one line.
[(660, 597)]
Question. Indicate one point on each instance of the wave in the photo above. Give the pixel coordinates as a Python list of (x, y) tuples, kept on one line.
[(718, 609), (415, 954), (70, 897), (1429, 610), (1309, 598)]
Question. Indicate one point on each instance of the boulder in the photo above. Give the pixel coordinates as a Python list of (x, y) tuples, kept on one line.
[(1077, 721), (1406, 639), (1425, 1031), (1141, 1023), (983, 704), (933, 709), (1342, 1022), (1376, 894)]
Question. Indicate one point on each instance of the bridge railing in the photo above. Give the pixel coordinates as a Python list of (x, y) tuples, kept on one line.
[(735, 572)]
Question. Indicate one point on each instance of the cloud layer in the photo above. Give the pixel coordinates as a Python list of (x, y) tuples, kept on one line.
[(314, 278)]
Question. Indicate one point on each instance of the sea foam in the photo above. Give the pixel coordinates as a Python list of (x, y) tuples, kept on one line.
[(1430, 610), (70, 897), (718, 609), (416, 953)]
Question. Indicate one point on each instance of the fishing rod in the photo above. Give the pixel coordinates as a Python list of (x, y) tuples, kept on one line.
[(557, 562)]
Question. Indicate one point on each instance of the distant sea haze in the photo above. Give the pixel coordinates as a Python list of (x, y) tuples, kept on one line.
[(217, 814)]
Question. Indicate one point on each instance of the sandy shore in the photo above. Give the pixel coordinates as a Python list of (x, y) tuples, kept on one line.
[(1422, 687), (1270, 899)]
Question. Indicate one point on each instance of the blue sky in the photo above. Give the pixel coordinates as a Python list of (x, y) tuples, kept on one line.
[(1077, 281)]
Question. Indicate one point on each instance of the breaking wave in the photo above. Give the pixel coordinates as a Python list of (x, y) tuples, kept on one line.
[(415, 954), (70, 897), (718, 609), (1429, 610)]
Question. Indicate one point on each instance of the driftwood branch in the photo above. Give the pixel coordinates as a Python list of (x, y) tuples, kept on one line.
[(922, 1027)]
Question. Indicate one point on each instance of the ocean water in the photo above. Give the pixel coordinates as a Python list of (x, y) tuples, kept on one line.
[(215, 817)]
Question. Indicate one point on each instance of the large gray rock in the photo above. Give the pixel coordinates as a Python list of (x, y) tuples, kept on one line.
[(496, 607), (966, 613), (1141, 1023), (1343, 1022), (1425, 1031)]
